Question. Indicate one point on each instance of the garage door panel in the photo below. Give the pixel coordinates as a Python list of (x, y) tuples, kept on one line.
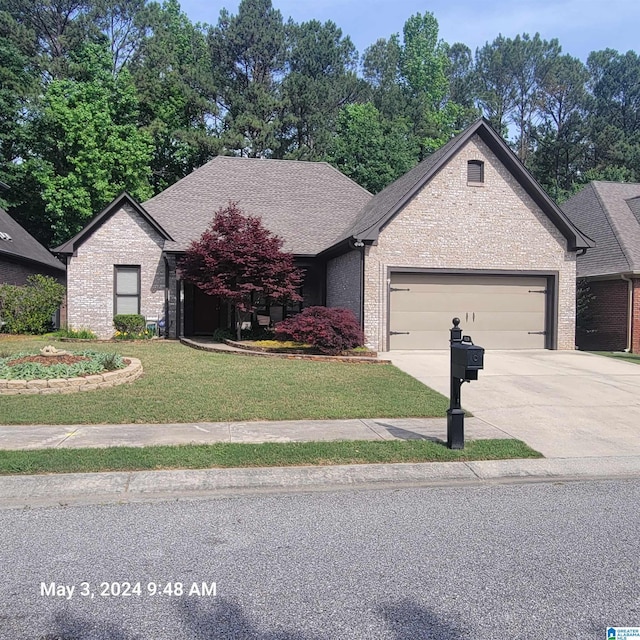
[(429, 340), (498, 312), (441, 321), (468, 302)]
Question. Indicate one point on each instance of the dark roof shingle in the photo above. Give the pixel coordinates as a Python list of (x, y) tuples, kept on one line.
[(307, 204), (609, 212), (23, 246)]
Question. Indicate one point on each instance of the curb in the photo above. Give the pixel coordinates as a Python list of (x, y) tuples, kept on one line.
[(117, 487)]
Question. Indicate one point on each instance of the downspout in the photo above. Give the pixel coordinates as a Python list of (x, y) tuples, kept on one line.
[(629, 282), (360, 245)]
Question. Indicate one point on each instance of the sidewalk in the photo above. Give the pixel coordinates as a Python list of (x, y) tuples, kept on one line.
[(139, 435), (115, 487)]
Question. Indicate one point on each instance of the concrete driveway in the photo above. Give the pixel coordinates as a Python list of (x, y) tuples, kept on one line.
[(562, 403)]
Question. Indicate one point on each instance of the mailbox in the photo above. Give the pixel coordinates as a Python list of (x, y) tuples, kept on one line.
[(466, 360)]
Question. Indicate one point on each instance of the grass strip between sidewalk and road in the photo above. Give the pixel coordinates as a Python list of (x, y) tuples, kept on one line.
[(271, 454)]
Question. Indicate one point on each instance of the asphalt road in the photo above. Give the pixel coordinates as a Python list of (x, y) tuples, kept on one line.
[(522, 561)]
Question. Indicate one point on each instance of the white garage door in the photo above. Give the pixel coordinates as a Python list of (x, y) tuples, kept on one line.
[(498, 312)]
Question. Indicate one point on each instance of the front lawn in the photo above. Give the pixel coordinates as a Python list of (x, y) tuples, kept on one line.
[(628, 357), (181, 384), (272, 454)]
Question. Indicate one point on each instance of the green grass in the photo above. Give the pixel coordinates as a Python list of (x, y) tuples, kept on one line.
[(629, 357), (181, 384), (225, 455)]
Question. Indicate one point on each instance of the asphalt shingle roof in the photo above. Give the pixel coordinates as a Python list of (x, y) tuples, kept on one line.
[(307, 204), (23, 246), (608, 212)]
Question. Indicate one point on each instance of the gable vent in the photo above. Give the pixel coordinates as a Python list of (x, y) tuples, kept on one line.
[(5, 236), (475, 171)]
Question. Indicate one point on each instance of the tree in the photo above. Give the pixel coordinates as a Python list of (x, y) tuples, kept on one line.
[(381, 69), (85, 147), (371, 149), (239, 260), (177, 84), (423, 66), (561, 137), (496, 91), (250, 49), (614, 112), (320, 79)]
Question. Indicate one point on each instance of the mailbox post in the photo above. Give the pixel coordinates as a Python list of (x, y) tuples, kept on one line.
[(466, 360)]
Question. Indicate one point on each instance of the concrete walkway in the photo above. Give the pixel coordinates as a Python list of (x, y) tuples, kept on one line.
[(140, 435), (562, 403)]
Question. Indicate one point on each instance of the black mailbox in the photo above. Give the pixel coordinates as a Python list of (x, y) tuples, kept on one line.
[(466, 360)]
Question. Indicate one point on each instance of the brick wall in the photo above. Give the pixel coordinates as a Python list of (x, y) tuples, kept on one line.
[(16, 273), (124, 239), (344, 282), (606, 322), (451, 225)]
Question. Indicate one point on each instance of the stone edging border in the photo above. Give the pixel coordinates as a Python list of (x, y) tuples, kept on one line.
[(288, 356), (72, 385)]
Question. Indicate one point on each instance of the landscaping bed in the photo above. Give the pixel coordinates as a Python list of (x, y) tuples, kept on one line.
[(55, 371), (275, 346)]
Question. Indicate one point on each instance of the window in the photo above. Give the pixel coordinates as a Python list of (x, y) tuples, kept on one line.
[(475, 172), (127, 290)]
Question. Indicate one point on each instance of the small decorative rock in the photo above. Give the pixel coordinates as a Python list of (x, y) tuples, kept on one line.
[(52, 351)]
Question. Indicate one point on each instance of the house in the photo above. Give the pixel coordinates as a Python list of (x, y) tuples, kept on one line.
[(21, 255), (610, 213), (467, 233)]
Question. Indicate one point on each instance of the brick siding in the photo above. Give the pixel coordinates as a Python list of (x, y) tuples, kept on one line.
[(451, 225), (344, 282), (606, 322), (16, 273), (124, 239)]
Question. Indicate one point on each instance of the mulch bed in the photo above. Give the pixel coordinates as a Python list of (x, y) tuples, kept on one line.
[(49, 360)]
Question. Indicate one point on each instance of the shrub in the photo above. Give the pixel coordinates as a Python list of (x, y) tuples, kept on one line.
[(30, 308), (330, 331), (76, 334), (129, 323)]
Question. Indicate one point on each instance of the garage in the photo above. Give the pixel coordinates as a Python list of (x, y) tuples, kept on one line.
[(497, 311)]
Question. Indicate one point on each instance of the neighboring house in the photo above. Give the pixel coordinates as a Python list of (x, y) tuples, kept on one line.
[(609, 212), (466, 233), (21, 255)]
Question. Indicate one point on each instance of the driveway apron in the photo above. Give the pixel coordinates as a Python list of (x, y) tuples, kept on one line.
[(562, 403)]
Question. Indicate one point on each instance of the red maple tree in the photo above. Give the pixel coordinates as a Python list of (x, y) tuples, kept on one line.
[(240, 261)]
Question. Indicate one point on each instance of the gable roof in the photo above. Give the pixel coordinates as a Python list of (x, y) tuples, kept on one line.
[(610, 213), (386, 204), (124, 198), (18, 244), (307, 204)]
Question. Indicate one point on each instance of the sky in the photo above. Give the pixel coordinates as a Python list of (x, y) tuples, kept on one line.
[(581, 26)]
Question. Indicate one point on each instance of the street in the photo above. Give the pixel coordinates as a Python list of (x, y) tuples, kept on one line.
[(526, 561)]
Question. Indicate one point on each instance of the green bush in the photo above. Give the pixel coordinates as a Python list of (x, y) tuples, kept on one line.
[(129, 323), (77, 334), (30, 308)]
